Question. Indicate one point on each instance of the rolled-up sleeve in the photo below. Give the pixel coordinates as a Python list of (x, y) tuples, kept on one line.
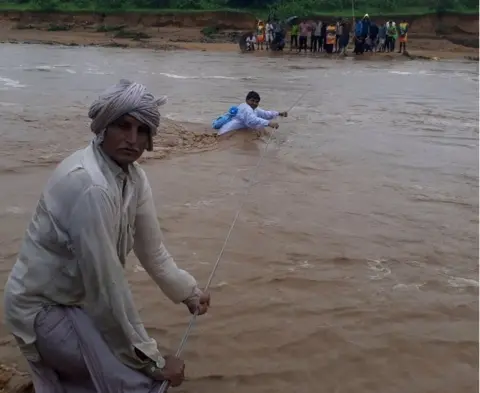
[(176, 283), (267, 115), (251, 120), (108, 299)]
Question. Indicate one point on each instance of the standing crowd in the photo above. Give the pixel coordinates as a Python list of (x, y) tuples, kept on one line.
[(333, 37), (370, 37), (270, 35)]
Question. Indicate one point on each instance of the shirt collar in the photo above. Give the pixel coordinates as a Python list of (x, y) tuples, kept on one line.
[(112, 166)]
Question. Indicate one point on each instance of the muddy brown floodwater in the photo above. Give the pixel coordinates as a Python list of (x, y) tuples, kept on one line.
[(354, 264)]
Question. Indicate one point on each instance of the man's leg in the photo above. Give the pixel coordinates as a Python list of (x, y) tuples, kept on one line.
[(73, 350), (44, 379)]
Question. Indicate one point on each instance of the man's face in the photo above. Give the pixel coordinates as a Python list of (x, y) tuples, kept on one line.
[(125, 140), (253, 102)]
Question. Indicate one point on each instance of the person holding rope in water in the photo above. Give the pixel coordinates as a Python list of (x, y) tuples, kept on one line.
[(247, 116), (67, 300)]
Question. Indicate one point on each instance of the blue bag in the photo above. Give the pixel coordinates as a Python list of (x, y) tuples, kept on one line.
[(219, 122)]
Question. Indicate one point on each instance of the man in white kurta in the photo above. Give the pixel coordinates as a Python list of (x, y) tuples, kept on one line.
[(250, 116), (67, 300)]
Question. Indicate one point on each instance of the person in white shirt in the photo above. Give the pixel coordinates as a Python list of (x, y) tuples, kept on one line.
[(269, 30), (250, 116), (67, 301), (316, 35), (250, 42)]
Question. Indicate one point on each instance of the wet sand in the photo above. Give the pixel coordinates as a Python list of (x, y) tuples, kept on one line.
[(354, 264)]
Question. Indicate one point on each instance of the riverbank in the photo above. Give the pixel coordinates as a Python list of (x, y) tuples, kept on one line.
[(192, 39), (449, 36)]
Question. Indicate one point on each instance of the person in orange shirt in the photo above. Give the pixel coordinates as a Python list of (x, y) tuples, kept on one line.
[(403, 30), (260, 34)]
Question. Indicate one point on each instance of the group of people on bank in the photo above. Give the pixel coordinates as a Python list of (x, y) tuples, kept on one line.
[(269, 36), (334, 36), (370, 37)]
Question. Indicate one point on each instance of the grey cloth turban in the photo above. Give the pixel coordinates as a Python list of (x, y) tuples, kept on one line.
[(125, 98)]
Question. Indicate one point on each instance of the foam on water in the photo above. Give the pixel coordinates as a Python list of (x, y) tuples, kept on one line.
[(15, 210), (50, 68), (175, 76), (42, 68), (400, 72), (407, 287), (461, 282), (7, 82), (96, 72)]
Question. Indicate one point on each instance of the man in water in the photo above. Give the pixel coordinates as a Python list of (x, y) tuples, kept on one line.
[(250, 116), (67, 300)]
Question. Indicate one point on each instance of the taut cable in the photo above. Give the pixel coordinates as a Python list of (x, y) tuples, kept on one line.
[(166, 384)]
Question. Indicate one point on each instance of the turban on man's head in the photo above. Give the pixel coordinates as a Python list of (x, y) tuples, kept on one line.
[(126, 98)]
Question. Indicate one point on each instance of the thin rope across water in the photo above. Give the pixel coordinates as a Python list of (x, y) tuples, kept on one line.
[(166, 384)]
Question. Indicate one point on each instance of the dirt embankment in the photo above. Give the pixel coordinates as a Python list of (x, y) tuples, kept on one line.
[(221, 19), (449, 33), (459, 29), (158, 31), (430, 24)]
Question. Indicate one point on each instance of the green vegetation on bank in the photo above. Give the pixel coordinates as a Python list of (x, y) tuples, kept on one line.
[(261, 8)]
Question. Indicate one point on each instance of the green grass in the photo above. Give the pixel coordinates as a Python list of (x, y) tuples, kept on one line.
[(260, 13)]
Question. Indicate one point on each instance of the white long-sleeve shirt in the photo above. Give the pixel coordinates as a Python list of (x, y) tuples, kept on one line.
[(246, 117), (89, 217)]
